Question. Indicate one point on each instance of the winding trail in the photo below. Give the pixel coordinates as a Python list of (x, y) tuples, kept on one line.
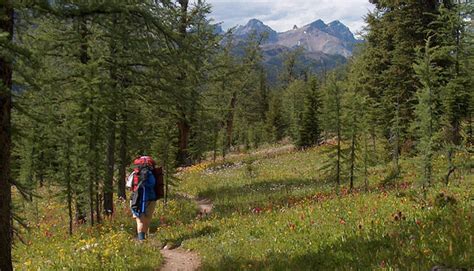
[(179, 259)]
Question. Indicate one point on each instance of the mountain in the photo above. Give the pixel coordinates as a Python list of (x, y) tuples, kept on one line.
[(325, 46), (334, 38), (255, 26), (218, 29)]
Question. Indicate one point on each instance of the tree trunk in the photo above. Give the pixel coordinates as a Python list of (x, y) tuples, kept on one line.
[(353, 150), (80, 216), (366, 163), (229, 123), (91, 164), (123, 158), (81, 202), (6, 25), (94, 173), (183, 154), (68, 185), (339, 152), (109, 178), (183, 125)]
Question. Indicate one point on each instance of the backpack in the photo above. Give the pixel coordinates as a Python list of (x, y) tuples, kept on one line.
[(140, 172)]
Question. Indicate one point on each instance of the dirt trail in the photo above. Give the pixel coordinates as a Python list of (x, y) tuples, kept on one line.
[(179, 259)]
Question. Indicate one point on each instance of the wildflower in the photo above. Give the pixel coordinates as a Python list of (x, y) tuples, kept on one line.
[(292, 226)]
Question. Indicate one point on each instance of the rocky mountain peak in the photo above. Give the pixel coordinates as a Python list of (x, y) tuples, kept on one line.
[(255, 23), (257, 27), (318, 24), (333, 39)]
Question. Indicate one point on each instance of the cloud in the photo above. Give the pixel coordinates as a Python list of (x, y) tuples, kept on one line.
[(281, 15)]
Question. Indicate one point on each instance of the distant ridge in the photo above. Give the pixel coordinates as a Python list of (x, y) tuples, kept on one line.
[(334, 38), (324, 46)]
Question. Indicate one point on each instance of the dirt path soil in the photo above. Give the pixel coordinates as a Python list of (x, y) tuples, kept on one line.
[(179, 259)]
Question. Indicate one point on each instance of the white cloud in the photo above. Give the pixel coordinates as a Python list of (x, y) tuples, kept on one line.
[(281, 15)]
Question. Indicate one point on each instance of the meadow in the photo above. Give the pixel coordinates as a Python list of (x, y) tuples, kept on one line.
[(273, 212), (279, 213)]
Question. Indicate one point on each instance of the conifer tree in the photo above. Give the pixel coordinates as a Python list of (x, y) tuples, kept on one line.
[(452, 56), (275, 122), (310, 130), (333, 112), (293, 102), (425, 111)]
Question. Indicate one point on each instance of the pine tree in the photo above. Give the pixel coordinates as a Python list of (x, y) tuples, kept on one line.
[(333, 123), (425, 111), (452, 56), (275, 122), (310, 130), (293, 102)]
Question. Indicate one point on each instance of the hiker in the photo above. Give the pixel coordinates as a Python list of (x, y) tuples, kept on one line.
[(146, 184)]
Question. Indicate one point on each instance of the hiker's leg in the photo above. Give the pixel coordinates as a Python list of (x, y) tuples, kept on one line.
[(148, 216), (140, 227), (146, 224), (140, 223)]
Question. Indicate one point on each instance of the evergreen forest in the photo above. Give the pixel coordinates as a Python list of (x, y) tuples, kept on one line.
[(367, 164)]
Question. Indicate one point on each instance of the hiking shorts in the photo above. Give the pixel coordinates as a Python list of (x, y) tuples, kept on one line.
[(149, 209)]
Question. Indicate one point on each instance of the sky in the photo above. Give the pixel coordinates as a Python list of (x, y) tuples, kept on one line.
[(282, 15)]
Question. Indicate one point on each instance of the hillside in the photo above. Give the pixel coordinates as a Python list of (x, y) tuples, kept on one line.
[(138, 136), (274, 210)]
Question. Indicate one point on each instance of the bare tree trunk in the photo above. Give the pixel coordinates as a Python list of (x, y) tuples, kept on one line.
[(68, 185), (123, 158), (366, 162), (109, 178), (229, 123), (339, 151), (6, 26), (91, 164), (94, 173), (339, 155), (353, 150), (183, 154), (214, 145)]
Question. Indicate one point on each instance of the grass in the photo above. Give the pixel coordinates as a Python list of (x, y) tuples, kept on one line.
[(110, 245), (273, 211), (277, 213)]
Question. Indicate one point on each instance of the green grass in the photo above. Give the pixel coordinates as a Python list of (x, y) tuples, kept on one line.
[(108, 246), (272, 211), (279, 214)]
